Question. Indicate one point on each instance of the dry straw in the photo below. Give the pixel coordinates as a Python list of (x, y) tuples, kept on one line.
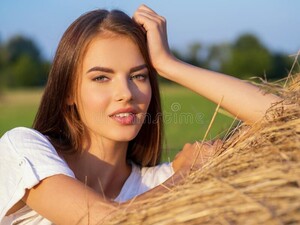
[(253, 179)]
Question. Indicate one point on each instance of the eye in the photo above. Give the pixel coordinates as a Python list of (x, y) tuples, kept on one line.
[(101, 78), (140, 77)]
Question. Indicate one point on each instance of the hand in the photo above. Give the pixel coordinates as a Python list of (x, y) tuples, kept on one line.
[(193, 156), (155, 27)]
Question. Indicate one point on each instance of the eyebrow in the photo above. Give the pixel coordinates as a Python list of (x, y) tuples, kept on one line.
[(109, 70)]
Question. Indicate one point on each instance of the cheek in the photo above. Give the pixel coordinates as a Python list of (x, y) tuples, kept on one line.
[(92, 102), (146, 94)]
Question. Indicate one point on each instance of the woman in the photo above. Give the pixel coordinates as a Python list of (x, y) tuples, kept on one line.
[(100, 121)]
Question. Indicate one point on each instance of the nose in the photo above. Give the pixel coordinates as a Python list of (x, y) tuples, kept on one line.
[(123, 91)]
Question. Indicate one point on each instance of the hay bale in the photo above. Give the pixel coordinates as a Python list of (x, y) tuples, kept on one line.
[(254, 179)]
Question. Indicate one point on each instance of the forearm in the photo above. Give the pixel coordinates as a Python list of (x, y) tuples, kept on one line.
[(64, 200), (240, 98), (165, 187)]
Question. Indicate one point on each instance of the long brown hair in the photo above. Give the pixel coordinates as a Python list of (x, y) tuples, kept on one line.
[(61, 122)]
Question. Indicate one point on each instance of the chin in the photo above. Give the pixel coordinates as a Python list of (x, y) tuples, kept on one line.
[(124, 136)]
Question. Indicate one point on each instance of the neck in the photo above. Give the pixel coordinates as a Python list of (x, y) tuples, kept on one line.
[(102, 166)]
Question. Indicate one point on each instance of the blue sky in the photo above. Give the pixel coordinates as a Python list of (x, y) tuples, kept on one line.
[(275, 22)]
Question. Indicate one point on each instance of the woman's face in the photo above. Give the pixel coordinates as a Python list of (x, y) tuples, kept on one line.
[(114, 89)]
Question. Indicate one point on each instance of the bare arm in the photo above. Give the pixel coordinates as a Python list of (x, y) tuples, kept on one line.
[(240, 98), (243, 100), (64, 200)]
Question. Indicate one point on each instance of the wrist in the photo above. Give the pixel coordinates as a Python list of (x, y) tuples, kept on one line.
[(166, 66)]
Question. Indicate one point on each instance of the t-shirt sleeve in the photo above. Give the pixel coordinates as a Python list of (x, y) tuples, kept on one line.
[(26, 158), (143, 179), (153, 176)]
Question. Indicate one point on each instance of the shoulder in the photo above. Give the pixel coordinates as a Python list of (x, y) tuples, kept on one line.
[(31, 155), (25, 141), (29, 158), (23, 132), (20, 135)]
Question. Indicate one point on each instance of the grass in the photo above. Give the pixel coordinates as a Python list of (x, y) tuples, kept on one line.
[(186, 115), (18, 108)]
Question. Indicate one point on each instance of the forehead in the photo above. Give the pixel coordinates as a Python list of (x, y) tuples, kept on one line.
[(112, 51)]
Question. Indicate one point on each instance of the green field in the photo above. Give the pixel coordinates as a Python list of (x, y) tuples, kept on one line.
[(18, 108), (186, 115)]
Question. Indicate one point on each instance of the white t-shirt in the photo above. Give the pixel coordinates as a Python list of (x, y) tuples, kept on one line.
[(27, 157)]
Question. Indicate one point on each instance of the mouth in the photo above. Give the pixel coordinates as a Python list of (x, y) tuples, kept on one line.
[(124, 116)]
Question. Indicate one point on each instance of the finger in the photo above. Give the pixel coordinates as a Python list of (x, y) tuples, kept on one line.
[(188, 148), (146, 8), (187, 145), (151, 14), (154, 17), (143, 21), (218, 143), (149, 24), (145, 17), (206, 144), (207, 150)]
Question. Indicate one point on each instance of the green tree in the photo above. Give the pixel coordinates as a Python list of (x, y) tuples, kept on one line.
[(2, 65), (18, 46), (193, 56), (217, 55), (248, 58), (281, 65), (25, 72), (22, 64)]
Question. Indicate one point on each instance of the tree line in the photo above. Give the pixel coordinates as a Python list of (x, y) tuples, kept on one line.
[(21, 63), (246, 57)]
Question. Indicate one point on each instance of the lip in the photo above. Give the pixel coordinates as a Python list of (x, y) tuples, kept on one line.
[(125, 120), (124, 110)]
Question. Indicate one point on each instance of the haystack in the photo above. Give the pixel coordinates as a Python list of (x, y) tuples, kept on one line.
[(253, 179)]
